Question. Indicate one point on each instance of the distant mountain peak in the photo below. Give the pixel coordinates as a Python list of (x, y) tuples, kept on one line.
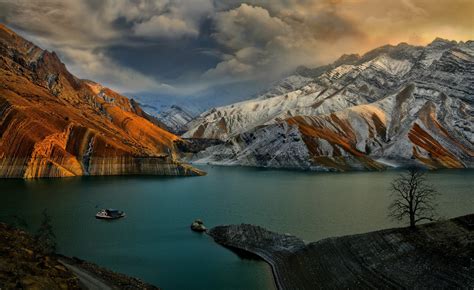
[(444, 40), (348, 59), (442, 43), (399, 105)]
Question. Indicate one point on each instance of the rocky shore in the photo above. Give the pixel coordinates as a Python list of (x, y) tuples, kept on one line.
[(24, 266), (435, 255)]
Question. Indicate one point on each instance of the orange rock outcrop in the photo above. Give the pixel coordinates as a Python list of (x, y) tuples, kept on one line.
[(53, 124)]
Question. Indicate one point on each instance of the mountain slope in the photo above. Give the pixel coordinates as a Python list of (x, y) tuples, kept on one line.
[(174, 117), (394, 106), (54, 125)]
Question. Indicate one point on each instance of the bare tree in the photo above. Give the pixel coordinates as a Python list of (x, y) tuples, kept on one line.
[(413, 197)]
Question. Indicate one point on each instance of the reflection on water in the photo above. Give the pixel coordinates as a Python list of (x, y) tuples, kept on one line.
[(154, 241)]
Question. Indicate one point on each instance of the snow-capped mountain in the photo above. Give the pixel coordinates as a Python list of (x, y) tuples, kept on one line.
[(158, 104), (394, 105), (175, 118)]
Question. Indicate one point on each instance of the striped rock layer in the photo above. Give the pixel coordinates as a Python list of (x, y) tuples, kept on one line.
[(394, 106), (53, 124)]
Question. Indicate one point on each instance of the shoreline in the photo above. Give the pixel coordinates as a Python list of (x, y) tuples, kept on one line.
[(276, 275), (101, 275), (309, 171), (24, 265), (435, 254)]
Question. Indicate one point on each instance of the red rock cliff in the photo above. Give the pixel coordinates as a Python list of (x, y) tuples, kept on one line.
[(53, 124)]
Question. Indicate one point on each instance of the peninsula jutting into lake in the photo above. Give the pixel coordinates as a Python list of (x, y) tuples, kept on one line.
[(321, 144), (436, 255)]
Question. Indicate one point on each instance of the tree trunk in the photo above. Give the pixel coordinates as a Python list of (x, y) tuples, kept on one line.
[(412, 220)]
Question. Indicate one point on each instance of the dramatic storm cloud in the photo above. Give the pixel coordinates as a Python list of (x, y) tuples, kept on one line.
[(260, 43), (184, 46)]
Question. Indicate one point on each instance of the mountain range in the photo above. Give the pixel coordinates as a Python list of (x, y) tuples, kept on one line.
[(53, 124), (394, 106)]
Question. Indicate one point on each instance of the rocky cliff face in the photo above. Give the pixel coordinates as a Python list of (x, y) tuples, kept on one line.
[(394, 106), (53, 124)]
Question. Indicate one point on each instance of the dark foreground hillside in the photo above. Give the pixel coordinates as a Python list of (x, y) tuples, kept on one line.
[(435, 255), (24, 266)]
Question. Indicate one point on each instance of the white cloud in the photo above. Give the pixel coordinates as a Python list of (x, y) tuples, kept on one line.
[(264, 45), (100, 68), (173, 19), (165, 26), (81, 31)]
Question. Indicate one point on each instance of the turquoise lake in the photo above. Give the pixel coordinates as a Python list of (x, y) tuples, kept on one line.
[(154, 241)]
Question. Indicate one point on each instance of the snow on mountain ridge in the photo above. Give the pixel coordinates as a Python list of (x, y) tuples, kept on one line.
[(227, 121), (392, 66), (400, 104)]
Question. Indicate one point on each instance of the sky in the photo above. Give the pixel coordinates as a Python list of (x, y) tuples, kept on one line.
[(187, 47)]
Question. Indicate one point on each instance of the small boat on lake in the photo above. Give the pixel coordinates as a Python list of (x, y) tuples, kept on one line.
[(110, 214)]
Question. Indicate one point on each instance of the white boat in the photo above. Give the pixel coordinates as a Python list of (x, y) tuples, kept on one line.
[(110, 214)]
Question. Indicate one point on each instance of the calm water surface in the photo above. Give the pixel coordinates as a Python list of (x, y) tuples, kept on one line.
[(154, 241)]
